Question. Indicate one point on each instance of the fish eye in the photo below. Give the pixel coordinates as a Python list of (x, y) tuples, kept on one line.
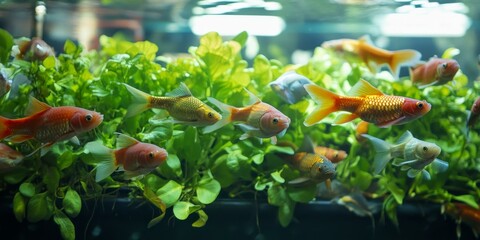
[(88, 117), (151, 155), (210, 115), (425, 149), (419, 105), (445, 65), (275, 120)]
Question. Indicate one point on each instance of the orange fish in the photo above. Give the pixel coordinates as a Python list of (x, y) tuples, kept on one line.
[(366, 102), (259, 119), (464, 213), (362, 128), (49, 124), (374, 57), (335, 156), (436, 71), (135, 157), (9, 158)]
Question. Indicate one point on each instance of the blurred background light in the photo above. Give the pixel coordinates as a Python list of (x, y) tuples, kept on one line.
[(231, 25)]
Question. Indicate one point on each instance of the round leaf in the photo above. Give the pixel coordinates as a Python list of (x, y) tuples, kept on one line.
[(181, 209), (27, 189), (170, 193), (51, 179), (39, 208), (67, 229), (72, 203), (208, 190), (19, 203)]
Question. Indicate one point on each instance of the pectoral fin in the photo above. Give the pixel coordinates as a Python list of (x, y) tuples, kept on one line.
[(439, 165), (390, 123)]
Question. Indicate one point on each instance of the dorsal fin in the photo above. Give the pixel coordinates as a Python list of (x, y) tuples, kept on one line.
[(252, 97), (366, 39), (405, 137), (35, 106), (181, 91), (307, 145), (363, 88), (124, 141)]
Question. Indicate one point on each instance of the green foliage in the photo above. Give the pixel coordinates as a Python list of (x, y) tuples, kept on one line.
[(202, 166)]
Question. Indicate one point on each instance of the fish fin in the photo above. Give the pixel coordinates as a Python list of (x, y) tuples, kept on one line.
[(106, 157), (426, 175), (45, 148), (273, 140), (226, 115), (307, 145), (327, 103), (282, 133), (252, 97), (403, 57), (181, 91), (407, 136), (75, 140), (382, 155), (137, 173), (422, 86), (124, 141), (366, 39), (403, 163), (439, 165), (249, 131), (363, 88), (19, 138), (413, 172), (344, 118), (141, 101), (390, 123), (299, 180), (35, 106)]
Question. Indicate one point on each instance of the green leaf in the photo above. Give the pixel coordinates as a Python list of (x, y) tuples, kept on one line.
[(69, 47), (303, 194), (450, 53), (277, 149), (258, 158), (362, 179), (390, 206), (27, 189), (174, 163), (208, 190), (51, 179), (468, 199), (39, 208), (277, 195), (49, 62), (277, 176), (182, 209), (19, 203), (170, 193), (263, 183), (72, 203), (241, 38), (16, 176), (202, 219), (67, 229), (285, 213), (6, 44), (156, 220), (146, 48), (65, 160), (397, 192)]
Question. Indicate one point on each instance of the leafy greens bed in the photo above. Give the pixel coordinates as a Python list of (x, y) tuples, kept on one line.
[(200, 166)]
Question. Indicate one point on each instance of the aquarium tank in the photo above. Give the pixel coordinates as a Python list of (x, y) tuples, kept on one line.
[(240, 119)]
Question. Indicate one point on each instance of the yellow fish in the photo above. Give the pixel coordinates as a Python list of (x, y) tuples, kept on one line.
[(182, 106)]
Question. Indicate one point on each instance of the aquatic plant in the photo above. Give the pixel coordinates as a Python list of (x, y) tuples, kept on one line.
[(202, 166)]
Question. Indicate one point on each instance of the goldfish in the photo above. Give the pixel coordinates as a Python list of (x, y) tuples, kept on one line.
[(49, 124), (473, 114), (135, 157), (361, 128), (365, 102), (413, 155), (182, 106), (437, 71), (463, 213), (258, 119), (34, 49), (9, 158), (372, 56), (289, 86), (314, 167), (335, 156)]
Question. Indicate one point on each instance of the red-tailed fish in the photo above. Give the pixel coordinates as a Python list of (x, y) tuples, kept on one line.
[(437, 71), (182, 106), (135, 157), (9, 158), (374, 57), (411, 154), (365, 102), (259, 119), (49, 124)]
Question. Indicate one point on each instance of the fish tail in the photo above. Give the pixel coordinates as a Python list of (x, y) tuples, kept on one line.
[(401, 58), (226, 115), (106, 158), (5, 131), (327, 103), (382, 153), (141, 101)]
